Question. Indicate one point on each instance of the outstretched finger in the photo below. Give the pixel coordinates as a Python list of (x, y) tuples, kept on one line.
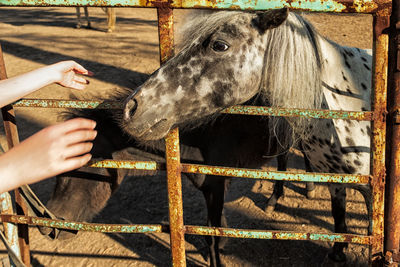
[(80, 69), (80, 80)]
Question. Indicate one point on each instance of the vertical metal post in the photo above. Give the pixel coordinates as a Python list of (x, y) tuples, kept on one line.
[(10, 127), (175, 203), (165, 31), (379, 82), (177, 230), (10, 229), (392, 211)]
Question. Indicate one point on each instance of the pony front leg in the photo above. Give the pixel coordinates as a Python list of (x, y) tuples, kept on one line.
[(278, 185), (338, 202), (310, 186), (78, 18), (214, 193), (89, 26), (111, 19)]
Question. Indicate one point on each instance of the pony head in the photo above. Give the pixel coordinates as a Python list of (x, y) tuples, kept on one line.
[(221, 64)]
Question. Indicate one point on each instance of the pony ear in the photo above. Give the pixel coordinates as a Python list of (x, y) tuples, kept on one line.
[(270, 19)]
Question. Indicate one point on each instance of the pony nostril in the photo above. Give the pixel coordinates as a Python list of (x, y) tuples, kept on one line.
[(130, 109)]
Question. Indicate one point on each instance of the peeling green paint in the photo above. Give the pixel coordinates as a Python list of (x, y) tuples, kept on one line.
[(275, 175), (356, 6)]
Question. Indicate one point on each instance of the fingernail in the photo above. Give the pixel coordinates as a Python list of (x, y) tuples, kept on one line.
[(89, 73), (87, 81)]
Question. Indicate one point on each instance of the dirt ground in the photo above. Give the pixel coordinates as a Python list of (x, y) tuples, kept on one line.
[(33, 37)]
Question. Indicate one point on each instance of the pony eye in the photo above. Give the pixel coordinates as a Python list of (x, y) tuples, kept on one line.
[(220, 46)]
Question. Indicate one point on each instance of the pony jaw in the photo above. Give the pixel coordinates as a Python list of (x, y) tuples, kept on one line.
[(156, 131)]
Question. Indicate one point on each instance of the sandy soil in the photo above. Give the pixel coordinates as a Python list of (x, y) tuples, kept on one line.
[(33, 37)]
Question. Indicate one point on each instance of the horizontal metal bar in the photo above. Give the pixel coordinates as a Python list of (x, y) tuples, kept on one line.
[(275, 175), (126, 164), (189, 229), (80, 226), (366, 6), (243, 110), (57, 103), (235, 172), (280, 235), (304, 113)]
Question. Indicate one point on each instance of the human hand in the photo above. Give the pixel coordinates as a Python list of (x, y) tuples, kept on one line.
[(56, 149), (65, 74)]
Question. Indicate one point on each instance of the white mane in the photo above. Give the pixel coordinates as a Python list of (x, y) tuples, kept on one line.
[(292, 65)]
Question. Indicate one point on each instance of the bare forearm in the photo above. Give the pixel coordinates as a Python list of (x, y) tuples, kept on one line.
[(10, 172), (63, 73), (14, 88)]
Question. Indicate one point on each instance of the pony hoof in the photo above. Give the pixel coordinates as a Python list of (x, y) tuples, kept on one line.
[(338, 257), (78, 26), (310, 194), (109, 30)]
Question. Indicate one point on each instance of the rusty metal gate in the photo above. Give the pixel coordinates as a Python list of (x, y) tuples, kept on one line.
[(381, 11)]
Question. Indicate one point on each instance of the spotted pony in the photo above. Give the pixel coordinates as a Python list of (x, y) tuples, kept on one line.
[(272, 58), (111, 18)]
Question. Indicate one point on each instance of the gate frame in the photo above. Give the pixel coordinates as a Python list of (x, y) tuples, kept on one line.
[(381, 11)]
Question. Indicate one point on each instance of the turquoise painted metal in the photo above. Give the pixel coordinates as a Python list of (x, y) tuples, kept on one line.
[(356, 6), (381, 8), (275, 175), (80, 226), (235, 172), (243, 110), (280, 235), (188, 229), (304, 113), (126, 164), (57, 103)]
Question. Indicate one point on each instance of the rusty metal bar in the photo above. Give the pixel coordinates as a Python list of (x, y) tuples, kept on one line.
[(280, 235), (235, 172), (189, 229), (297, 112), (379, 101), (126, 164), (392, 207), (175, 202), (10, 229), (275, 175), (240, 109), (58, 103), (172, 151), (165, 31), (81, 226), (10, 128), (342, 6)]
